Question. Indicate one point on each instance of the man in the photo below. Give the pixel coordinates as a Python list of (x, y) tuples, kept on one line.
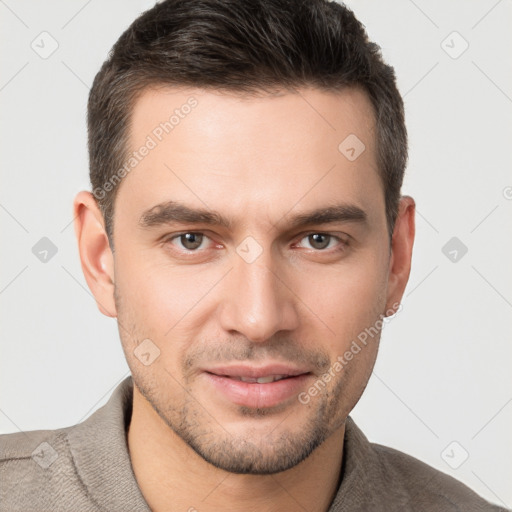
[(246, 229)]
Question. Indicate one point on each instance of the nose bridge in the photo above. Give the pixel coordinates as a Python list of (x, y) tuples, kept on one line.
[(257, 305)]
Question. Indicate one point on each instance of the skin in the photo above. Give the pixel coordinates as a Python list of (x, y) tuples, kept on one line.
[(259, 162)]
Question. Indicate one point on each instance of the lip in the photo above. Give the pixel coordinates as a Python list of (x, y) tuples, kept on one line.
[(256, 372), (253, 394)]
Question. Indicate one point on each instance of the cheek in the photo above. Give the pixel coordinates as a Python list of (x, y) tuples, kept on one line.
[(164, 303), (347, 300), (156, 292)]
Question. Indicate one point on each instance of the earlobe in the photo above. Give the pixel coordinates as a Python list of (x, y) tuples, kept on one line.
[(401, 252), (95, 253)]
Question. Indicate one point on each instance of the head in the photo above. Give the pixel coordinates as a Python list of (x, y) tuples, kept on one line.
[(246, 160)]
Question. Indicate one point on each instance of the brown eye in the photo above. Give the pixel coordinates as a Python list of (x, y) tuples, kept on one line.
[(191, 241), (319, 240)]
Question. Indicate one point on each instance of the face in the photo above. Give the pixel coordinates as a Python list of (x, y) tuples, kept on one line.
[(250, 253)]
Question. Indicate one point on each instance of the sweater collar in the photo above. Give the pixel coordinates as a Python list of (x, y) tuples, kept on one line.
[(100, 451)]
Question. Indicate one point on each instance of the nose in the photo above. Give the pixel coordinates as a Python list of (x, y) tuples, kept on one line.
[(257, 302)]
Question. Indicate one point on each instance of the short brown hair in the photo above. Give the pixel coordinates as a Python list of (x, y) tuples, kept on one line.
[(244, 46)]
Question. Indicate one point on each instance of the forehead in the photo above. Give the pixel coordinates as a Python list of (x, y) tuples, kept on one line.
[(266, 154)]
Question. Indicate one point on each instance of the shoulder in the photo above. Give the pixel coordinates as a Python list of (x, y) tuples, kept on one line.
[(37, 472), (379, 478), (426, 488), (83, 467), (24, 452)]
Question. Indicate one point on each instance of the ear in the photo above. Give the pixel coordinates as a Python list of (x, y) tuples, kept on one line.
[(95, 253), (401, 253)]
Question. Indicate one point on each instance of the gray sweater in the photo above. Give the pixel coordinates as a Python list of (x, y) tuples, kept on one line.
[(87, 468)]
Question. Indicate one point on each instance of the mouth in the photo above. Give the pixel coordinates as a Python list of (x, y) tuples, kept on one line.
[(260, 380), (257, 387)]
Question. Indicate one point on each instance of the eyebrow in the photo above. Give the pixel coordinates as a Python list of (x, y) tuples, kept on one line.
[(174, 212), (330, 214)]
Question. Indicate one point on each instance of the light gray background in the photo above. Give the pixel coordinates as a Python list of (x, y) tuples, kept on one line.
[(444, 369)]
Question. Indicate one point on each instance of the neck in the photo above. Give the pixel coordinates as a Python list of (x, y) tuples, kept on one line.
[(170, 474)]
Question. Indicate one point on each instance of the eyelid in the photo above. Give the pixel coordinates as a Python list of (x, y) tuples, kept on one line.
[(335, 234), (342, 238), (169, 238)]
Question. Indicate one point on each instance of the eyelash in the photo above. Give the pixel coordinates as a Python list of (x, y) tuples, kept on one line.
[(170, 239), (341, 245)]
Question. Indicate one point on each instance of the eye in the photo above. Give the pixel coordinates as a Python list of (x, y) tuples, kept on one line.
[(319, 241), (190, 241)]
